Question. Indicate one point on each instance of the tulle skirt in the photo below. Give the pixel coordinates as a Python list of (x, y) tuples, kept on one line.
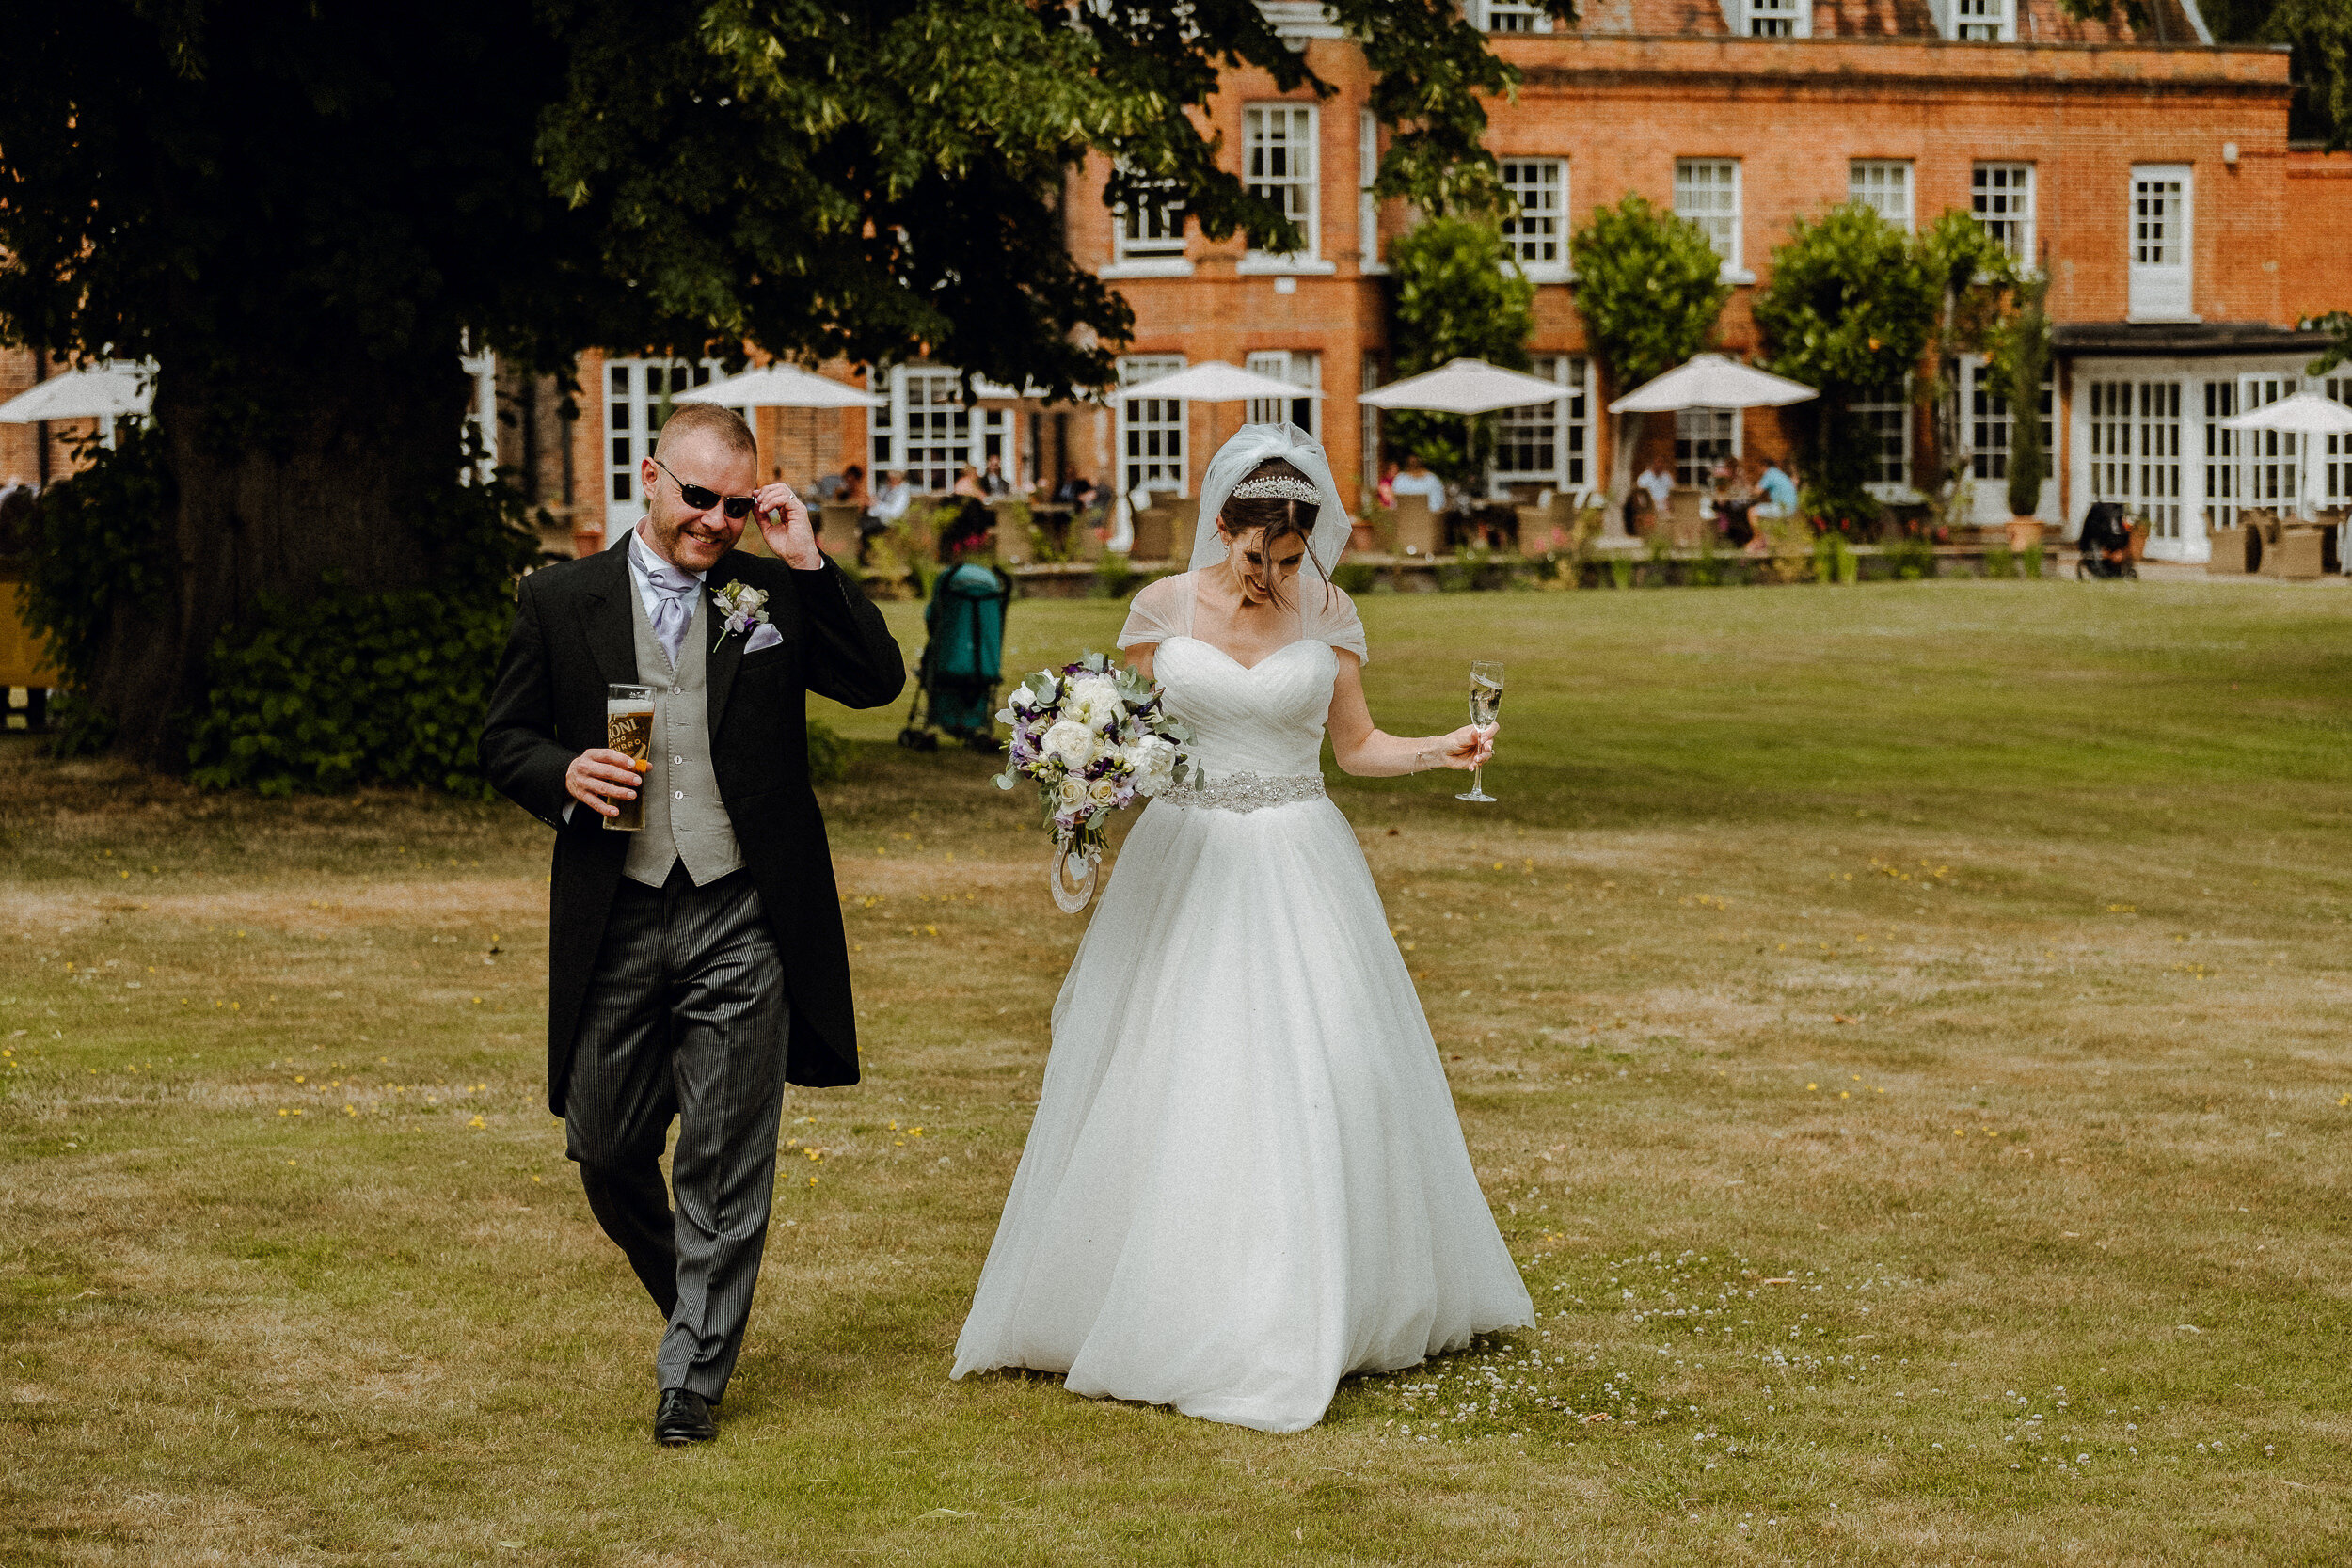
[(1246, 1179)]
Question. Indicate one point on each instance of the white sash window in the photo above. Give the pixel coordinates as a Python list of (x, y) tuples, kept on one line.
[(1548, 443), (2000, 198), (1706, 191), (1537, 232), (1299, 370), (1152, 430)]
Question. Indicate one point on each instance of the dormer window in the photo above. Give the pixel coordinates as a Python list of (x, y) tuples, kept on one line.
[(1512, 16), (1984, 21), (1777, 19)]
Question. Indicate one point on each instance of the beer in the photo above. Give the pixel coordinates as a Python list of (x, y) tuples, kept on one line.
[(628, 730)]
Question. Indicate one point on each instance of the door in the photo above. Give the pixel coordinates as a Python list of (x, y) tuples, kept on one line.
[(2269, 461), (2160, 243)]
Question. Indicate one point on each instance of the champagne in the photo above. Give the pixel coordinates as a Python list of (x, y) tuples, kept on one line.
[(628, 730), (1485, 701)]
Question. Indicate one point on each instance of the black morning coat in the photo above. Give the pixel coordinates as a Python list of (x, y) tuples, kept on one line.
[(573, 637)]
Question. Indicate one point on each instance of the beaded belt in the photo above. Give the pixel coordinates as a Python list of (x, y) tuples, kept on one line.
[(1248, 791)]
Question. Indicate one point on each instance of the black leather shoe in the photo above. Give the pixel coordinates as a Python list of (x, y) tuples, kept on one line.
[(683, 1418)]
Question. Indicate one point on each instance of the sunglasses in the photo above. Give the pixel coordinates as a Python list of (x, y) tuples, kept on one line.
[(736, 507)]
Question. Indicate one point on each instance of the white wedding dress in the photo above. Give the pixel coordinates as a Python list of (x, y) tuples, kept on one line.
[(1246, 1179)]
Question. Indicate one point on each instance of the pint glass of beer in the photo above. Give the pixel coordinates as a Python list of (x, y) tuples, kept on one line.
[(628, 730)]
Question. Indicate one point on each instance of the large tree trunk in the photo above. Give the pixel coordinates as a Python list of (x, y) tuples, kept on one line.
[(340, 485)]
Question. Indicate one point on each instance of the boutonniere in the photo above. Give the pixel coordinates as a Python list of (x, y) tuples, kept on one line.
[(743, 607)]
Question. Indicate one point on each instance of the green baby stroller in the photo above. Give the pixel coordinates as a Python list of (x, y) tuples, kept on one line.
[(963, 662)]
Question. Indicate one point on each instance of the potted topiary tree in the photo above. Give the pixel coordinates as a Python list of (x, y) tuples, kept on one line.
[(2020, 357)]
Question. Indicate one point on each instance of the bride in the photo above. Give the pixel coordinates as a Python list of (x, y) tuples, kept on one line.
[(1246, 1179)]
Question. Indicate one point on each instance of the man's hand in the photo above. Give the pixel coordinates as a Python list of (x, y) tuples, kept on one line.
[(784, 523), (599, 772)]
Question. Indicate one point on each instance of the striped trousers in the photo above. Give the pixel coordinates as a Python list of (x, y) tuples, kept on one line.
[(686, 1018)]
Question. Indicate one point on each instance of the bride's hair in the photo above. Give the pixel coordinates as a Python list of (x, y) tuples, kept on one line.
[(1282, 507)]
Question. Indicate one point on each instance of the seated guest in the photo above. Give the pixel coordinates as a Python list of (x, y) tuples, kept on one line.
[(1418, 481), (1654, 486), (968, 484), (1386, 490), (993, 481), (1779, 492), (889, 505)]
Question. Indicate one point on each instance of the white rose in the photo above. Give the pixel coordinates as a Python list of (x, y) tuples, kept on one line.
[(1069, 742), (1092, 700), (1069, 794), (1105, 791)]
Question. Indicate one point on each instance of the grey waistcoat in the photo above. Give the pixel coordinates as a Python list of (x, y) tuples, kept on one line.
[(685, 819)]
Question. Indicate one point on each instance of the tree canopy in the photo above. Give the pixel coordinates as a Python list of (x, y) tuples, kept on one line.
[(1456, 291), (300, 210), (1851, 307), (1651, 291)]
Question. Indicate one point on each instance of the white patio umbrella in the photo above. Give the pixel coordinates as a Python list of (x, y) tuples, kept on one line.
[(1214, 381), (1464, 386), (97, 393), (1712, 381), (2305, 414), (781, 387)]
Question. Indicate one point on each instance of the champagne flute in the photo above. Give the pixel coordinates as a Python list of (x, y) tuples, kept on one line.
[(1485, 701)]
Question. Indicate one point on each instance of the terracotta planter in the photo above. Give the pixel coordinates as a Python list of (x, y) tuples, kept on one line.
[(2024, 531), (2140, 541)]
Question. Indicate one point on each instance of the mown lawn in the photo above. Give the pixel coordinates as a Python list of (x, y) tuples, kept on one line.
[(1903, 1031)]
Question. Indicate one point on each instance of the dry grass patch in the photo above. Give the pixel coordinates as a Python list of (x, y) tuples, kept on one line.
[(1827, 1228)]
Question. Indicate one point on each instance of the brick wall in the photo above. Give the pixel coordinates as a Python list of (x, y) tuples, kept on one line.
[(1795, 113)]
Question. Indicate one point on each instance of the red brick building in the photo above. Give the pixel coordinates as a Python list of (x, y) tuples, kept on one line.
[(2151, 175)]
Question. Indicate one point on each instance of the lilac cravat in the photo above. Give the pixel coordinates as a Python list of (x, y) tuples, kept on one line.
[(676, 611)]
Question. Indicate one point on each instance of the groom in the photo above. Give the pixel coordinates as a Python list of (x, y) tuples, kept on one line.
[(696, 966)]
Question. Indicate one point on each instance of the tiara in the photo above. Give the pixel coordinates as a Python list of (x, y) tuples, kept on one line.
[(1281, 487)]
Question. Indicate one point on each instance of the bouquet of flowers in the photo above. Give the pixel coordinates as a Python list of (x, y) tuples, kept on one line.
[(1094, 737)]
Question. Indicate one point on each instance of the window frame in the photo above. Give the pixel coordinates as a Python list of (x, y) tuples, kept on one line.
[(1310, 259), (1172, 416), (1131, 257), (2153, 289), (1367, 205), (1521, 17), (1797, 14), (2022, 248), (1734, 267), (2001, 19), (2331, 468), (1876, 403), (1302, 369), (1569, 420), (1701, 465), (1858, 168), (1556, 270)]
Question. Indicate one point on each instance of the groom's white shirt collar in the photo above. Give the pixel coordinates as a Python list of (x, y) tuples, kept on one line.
[(641, 561)]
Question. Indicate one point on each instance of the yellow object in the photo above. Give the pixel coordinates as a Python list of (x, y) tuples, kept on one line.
[(24, 656)]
